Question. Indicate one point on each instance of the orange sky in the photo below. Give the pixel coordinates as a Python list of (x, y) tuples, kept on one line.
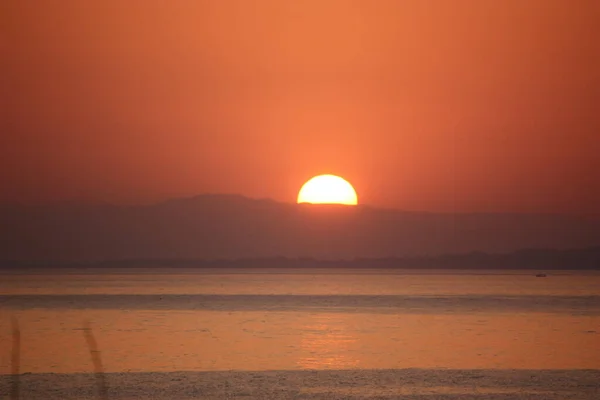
[(423, 105)]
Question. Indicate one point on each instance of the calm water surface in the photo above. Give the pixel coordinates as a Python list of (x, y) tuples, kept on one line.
[(158, 320)]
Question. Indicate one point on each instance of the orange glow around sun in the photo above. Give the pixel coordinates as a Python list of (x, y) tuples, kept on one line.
[(327, 189)]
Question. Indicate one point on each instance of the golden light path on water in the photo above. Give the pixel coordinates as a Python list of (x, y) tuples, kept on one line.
[(158, 341), (279, 329), (328, 343)]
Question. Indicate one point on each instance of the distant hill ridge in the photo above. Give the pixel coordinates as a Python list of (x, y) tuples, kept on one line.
[(230, 227), (532, 259)]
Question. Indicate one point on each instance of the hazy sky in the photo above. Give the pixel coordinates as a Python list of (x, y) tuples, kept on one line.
[(422, 105)]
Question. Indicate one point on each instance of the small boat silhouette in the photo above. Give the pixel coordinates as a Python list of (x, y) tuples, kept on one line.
[(541, 275)]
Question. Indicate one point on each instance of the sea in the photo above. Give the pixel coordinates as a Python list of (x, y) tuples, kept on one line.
[(166, 320)]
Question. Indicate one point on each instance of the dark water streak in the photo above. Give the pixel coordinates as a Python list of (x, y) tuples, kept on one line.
[(573, 305), (478, 384)]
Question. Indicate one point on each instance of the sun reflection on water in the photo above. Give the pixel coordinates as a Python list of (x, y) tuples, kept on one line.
[(327, 344)]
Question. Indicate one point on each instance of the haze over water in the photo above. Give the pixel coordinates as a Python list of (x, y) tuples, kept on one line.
[(213, 320)]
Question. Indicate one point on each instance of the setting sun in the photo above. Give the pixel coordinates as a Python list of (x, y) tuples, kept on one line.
[(327, 189)]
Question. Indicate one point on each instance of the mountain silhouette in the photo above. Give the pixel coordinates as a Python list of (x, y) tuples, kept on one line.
[(233, 226)]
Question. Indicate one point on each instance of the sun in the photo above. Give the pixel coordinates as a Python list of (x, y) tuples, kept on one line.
[(328, 189)]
